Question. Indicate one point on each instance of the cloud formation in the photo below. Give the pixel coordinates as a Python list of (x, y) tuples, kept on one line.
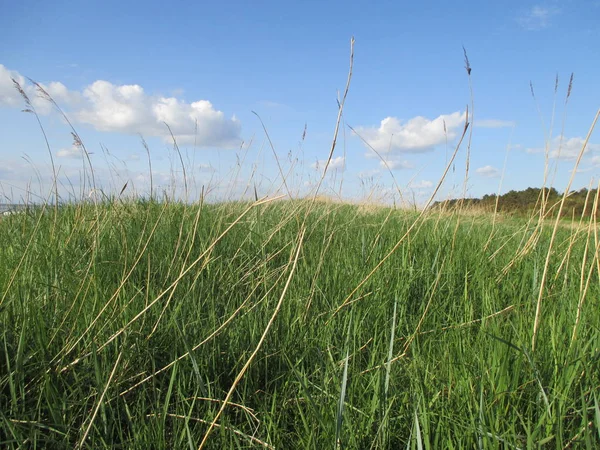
[(129, 109), (71, 153), (338, 163), (416, 135), (488, 172), (537, 18), (565, 148), (423, 184), (10, 96), (396, 164)]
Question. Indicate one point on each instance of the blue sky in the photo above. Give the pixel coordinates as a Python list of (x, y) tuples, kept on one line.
[(121, 69)]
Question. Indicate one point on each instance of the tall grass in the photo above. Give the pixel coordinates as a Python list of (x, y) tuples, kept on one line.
[(125, 336), (296, 323)]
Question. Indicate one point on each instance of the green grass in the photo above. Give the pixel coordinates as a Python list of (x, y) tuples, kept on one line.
[(126, 325)]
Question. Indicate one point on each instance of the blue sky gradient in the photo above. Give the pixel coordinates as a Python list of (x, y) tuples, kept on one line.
[(119, 69)]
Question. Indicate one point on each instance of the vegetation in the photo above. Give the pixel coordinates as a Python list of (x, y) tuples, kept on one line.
[(298, 323), (128, 325), (524, 203)]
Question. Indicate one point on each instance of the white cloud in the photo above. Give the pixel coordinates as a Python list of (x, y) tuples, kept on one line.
[(396, 164), (72, 153), (565, 148), (8, 94), (338, 163), (494, 123), (56, 90), (61, 94), (534, 151), (488, 172), (115, 108), (160, 178), (21, 175), (423, 184), (416, 135), (537, 18), (368, 173), (128, 109)]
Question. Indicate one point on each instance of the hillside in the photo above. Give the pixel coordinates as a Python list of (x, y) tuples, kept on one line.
[(525, 202)]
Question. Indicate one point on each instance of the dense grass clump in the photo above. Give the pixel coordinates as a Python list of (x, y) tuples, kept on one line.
[(133, 324)]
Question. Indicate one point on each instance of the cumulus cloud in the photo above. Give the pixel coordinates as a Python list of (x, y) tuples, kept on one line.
[(423, 184), (488, 172), (8, 94), (416, 135), (494, 123), (115, 108), (565, 148), (396, 164), (71, 153), (61, 94), (129, 109), (537, 18), (338, 163)]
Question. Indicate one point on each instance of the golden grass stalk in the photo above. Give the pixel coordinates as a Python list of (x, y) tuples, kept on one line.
[(538, 308)]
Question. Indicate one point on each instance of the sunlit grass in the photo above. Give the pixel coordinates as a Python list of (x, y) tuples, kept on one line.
[(97, 307), (296, 323)]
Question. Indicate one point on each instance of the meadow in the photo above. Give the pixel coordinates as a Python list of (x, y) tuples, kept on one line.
[(138, 322), (295, 324)]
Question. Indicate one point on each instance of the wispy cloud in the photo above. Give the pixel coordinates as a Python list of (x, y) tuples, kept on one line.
[(488, 172), (592, 163), (129, 109), (368, 173), (9, 96), (534, 150), (396, 164), (423, 184), (538, 17), (71, 153), (416, 135), (565, 148), (338, 163)]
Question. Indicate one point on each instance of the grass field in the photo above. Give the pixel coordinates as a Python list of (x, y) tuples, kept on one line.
[(288, 324), (280, 323)]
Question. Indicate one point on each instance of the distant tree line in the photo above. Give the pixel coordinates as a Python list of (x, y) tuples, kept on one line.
[(529, 201)]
